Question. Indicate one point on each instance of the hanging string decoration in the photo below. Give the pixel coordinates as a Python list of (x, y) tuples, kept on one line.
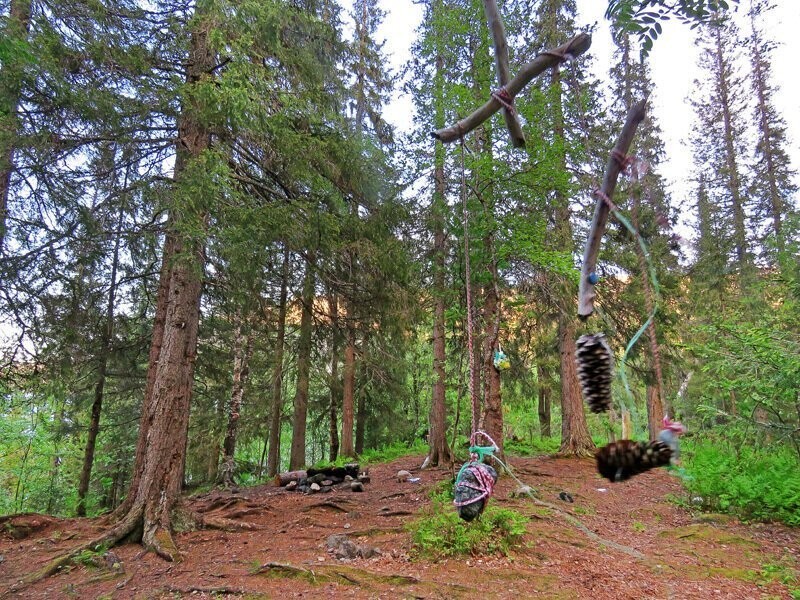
[(623, 459), (595, 370), (475, 481), (501, 361)]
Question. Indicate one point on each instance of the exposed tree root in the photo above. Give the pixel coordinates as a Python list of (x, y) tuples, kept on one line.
[(226, 524), (209, 590), (588, 532), (334, 574), (154, 537), (106, 540), (336, 506)]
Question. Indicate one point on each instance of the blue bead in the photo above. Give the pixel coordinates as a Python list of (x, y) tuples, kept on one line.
[(593, 278)]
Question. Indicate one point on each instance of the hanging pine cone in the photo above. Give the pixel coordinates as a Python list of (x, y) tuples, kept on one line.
[(623, 459), (595, 370)]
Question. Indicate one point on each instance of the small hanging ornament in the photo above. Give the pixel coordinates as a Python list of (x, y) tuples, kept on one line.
[(623, 459), (501, 361), (595, 370)]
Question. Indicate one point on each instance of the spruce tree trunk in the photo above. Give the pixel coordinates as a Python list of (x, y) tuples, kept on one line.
[(97, 404), (297, 457), (17, 28), (545, 395), (492, 403), (439, 451), (335, 388), (161, 447), (242, 351), (361, 422), (348, 388), (575, 438), (273, 456)]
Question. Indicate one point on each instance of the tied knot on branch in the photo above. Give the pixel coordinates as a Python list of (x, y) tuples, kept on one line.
[(633, 166), (604, 197), (504, 98)]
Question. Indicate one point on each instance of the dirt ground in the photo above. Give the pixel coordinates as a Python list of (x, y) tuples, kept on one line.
[(653, 547)]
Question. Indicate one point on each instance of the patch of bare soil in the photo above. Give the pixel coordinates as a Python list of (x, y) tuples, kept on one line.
[(636, 544)]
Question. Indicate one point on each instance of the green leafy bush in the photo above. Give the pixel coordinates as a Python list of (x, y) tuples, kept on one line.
[(751, 483), (441, 533)]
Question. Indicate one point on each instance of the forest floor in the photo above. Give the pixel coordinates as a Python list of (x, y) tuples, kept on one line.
[(650, 546)]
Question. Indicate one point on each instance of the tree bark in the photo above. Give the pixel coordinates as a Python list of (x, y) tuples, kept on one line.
[(348, 388), (17, 29), (361, 422), (97, 404), (297, 457), (273, 457), (335, 387), (575, 438), (545, 394), (439, 451), (242, 351), (161, 447)]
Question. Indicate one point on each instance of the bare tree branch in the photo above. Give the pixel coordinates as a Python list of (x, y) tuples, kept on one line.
[(574, 47)]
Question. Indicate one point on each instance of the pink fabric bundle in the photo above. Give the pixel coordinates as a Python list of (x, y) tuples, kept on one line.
[(674, 426)]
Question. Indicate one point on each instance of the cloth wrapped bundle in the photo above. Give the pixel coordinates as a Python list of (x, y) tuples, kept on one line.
[(474, 485)]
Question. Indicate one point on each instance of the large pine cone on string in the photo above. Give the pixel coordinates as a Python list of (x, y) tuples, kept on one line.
[(595, 370), (623, 459)]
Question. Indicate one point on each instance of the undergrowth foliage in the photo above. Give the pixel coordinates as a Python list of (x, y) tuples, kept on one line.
[(440, 533), (752, 483)]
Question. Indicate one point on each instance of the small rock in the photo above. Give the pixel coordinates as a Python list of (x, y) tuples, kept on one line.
[(566, 497), (315, 487), (234, 490), (291, 485), (347, 525), (523, 491), (356, 486), (325, 489), (402, 475), (348, 478), (320, 559), (327, 483)]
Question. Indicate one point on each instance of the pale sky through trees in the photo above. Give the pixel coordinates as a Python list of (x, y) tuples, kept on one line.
[(674, 70)]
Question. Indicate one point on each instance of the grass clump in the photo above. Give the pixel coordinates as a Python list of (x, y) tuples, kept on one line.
[(751, 483), (393, 452), (441, 533), (533, 447)]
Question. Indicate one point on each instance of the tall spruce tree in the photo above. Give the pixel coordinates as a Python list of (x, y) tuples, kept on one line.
[(772, 185)]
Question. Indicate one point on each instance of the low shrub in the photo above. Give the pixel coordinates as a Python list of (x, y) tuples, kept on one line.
[(751, 483), (441, 533)]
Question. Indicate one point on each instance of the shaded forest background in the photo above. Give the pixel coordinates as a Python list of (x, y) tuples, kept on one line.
[(231, 161)]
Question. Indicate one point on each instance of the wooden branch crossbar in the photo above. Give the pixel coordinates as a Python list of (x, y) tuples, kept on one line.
[(574, 47), (503, 72), (614, 166)]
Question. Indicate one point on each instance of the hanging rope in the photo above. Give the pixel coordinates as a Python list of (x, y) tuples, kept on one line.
[(473, 384)]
